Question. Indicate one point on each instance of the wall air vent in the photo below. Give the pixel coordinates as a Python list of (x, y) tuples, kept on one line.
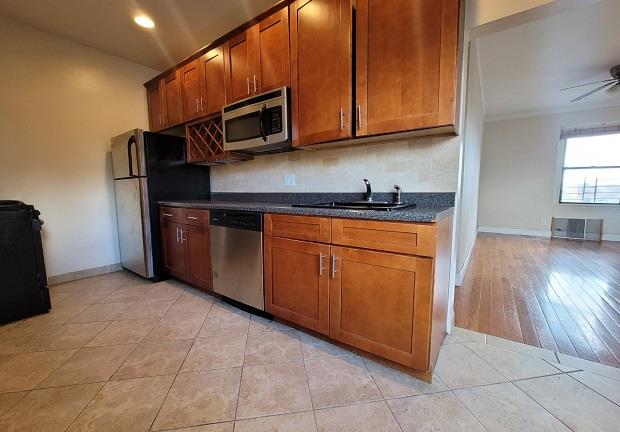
[(581, 229)]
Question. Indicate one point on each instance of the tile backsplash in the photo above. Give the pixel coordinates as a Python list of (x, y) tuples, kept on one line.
[(417, 165)]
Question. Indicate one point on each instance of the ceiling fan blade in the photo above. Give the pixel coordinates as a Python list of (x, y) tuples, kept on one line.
[(590, 83), (614, 88), (585, 95)]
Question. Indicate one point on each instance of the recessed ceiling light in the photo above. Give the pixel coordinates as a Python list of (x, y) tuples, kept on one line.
[(144, 21)]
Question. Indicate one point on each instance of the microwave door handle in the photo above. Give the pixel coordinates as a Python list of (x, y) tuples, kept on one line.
[(260, 122), (132, 140)]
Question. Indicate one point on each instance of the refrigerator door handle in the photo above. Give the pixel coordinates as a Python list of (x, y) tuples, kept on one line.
[(130, 141)]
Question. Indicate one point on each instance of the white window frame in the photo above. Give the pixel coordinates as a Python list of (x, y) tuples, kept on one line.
[(557, 193)]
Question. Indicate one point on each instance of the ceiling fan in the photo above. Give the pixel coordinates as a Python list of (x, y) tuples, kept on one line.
[(610, 84)]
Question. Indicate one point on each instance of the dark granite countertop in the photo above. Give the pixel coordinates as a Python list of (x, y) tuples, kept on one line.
[(427, 210)]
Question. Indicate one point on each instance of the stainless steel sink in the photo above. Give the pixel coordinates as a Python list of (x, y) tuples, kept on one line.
[(359, 205)]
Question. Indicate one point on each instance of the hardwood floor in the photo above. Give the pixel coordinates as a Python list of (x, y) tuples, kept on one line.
[(563, 295)]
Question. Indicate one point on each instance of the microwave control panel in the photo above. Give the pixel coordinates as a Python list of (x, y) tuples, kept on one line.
[(276, 119)]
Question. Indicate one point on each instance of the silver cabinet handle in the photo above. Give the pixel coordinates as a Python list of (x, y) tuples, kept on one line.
[(359, 116), (197, 109), (321, 268), (248, 82), (334, 259), (167, 215), (342, 119), (183, 238), (255, 83), (178, 236), (201, 108), (192, 217)]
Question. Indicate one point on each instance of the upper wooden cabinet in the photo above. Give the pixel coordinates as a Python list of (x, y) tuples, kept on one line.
[(202, 83), (165, 102), (273, 63), (321, 70), (406, 65), (155, 105), (257, 60), (212, 81)]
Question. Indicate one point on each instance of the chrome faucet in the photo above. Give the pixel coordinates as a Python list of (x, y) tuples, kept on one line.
[(397, 196), (368, 196)]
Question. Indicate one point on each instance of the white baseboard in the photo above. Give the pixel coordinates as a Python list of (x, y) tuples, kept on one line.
[(516, 231), (611, 237), (82, 274), (460, 275)]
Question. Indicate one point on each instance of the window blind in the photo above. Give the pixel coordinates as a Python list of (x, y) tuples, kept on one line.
[(589, 131)]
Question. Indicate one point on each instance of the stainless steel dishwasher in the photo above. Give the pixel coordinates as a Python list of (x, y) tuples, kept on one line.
[(237, 256)]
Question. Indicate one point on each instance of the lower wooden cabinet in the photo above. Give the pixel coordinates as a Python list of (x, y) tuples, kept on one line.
[(380, 303), (173, 249), (297, 282), (385, 302), (187, 247)]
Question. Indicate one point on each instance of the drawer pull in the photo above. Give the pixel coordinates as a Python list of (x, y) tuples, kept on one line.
[(192, 217), (168, 215)]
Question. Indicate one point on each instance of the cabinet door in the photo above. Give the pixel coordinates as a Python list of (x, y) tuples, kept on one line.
[(273, 68), (173, 112), (198, 244), (297, 282), (191, 90), (381, 303), (173, 248), (237, 64), (321, 64), (154, 105), (406, 64), (212, 64)]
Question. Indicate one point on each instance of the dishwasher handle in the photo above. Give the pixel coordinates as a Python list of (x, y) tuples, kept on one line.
[(244, 220)]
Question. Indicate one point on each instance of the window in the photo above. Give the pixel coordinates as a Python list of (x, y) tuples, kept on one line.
[(591, 168)]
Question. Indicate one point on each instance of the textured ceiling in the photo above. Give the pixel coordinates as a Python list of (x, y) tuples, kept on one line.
[(524, 68), (182, 26)]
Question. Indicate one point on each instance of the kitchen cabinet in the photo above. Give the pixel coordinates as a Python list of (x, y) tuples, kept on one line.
[(257, 60), (186, 245), (191, 90), (379, 302), (406, 70), (296, 282), (381, 287), (202, 84), (321, 70), (173, 248), (212, 81), (155, 106), (164, 102)]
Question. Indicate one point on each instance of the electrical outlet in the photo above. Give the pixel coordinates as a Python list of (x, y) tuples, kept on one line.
[(289, 180)]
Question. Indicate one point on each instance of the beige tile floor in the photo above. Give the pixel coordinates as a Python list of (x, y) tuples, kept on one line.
[(117, 353)]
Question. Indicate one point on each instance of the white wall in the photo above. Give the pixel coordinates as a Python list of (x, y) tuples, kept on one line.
[(60, 103), (472, 145), (418, 165), (519, 175)]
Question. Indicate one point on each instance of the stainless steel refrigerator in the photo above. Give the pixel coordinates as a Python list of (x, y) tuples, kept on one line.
[(148, 168)]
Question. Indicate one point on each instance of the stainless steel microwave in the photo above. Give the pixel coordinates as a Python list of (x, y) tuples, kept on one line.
[(259, 124)]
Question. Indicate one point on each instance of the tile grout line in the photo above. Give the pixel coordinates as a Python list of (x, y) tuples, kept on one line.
[(176, 375), (594, 390), (303, 362), (468, 410), (247, 336), (107, 381), (364, 361), (540, 405)]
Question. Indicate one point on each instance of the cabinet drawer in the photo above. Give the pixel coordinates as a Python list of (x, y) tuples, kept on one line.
[(406, 238), (196, 217), (298, 227), (172, 214)]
